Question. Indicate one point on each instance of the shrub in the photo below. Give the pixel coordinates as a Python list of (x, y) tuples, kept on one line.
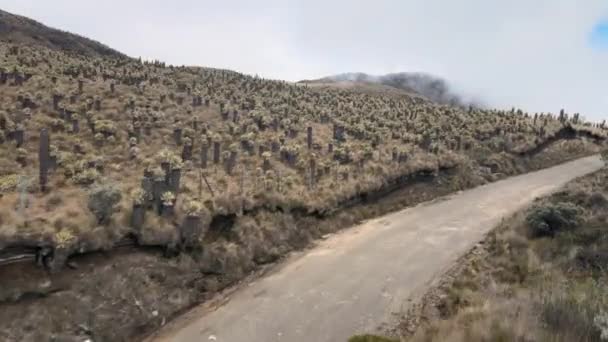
[(102, 201), (597, 200), (548, 219), (8, 183), (167, 198), (64, 238), (594, 258), (193, 208), (575, 311), (604, 156), (601, 323), (139, 196), (86, 177), (369, 338)]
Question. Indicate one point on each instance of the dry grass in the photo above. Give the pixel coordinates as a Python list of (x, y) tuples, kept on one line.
[(373, 123), (369, 338), (521, 287)]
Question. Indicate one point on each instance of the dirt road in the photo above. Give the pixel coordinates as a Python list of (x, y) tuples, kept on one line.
[(355, 280)]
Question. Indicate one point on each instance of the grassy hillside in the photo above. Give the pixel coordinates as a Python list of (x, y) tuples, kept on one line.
[(171, 143)]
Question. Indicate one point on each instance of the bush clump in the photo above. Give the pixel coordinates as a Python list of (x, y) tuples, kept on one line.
[(102, 201), (548, 219)]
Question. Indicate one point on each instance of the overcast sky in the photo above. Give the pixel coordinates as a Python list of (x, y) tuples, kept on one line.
[(540, 55)]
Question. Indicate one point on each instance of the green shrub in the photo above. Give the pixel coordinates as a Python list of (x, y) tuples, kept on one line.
[(102, 201), (549, 219)]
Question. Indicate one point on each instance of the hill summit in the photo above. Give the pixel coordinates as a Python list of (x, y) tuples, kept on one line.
[(433, 88), (24, 31)]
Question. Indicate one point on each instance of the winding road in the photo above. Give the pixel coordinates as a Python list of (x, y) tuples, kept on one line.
[(357, 279)]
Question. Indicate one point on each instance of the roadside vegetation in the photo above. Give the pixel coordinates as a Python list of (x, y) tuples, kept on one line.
[(540, 276)]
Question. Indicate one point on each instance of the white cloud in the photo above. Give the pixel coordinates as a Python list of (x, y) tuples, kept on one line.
[(530, 54)]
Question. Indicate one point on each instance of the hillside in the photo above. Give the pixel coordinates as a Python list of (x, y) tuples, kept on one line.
[(428, 86), (208, 174), (21, 30)]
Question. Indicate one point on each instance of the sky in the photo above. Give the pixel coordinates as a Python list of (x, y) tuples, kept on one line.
[(538, 55)]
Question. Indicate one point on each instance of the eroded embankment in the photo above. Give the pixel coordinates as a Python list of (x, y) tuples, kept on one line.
[(44, 250), (118, 294)]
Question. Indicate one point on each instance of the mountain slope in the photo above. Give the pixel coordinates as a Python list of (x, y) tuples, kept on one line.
[(227, 170), (22, 30)]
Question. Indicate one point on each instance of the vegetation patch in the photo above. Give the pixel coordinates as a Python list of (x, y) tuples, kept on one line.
[(540, 276), (549, 219), (369, 338)]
